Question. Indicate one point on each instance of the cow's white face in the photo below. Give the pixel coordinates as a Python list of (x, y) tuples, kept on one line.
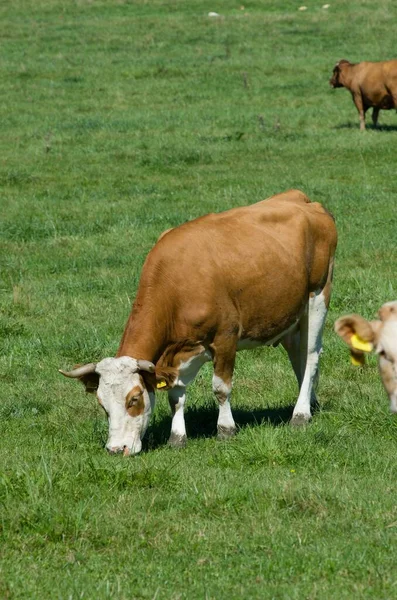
[(126, 401), (386, 348)]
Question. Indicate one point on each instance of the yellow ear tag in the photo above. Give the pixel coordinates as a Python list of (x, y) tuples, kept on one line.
[(161, 384), (360, 344), (357, 361)]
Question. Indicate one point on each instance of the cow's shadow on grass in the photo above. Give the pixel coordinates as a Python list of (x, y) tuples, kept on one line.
[(201, 422), (370, 126)]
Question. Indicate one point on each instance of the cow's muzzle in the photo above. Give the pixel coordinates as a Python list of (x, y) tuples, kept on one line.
[(115, 449), (125, 450)]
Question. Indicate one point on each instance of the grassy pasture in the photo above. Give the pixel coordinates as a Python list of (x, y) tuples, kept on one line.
[(119, 120)]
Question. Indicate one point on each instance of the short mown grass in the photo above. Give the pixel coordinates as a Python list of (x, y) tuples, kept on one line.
[(117, 121)]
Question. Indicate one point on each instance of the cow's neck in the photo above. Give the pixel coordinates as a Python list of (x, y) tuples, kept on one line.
[(347, 75), (144, 335)]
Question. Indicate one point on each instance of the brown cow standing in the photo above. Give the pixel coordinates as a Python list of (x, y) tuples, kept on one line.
[(250, 276), (370, 84), (380, 336)]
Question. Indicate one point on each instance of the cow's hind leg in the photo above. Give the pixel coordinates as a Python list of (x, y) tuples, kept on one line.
[(375, 114), (291, 343), (311, 329), (224, 354)]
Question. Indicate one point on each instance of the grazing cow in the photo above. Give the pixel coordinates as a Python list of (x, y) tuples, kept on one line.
[(363, 336), (370, 84), (250, 276)]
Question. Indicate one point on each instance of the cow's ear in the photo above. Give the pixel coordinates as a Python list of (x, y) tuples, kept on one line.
[(358, 334), (90, 382), (356, 331), (86, 374), (149, 380), (165, 377)]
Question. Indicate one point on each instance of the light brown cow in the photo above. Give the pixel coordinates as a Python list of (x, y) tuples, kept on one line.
[(370, 84), (363, 336), (250, 276)]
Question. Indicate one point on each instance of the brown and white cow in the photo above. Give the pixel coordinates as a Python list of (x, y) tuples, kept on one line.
[(250, 276), (363, 336), (370, 84)]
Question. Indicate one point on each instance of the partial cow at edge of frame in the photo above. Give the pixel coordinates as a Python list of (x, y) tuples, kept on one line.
[(379, 336)]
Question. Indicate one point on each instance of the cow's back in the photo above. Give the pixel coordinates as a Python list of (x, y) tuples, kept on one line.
[(251, 260), (285, 225), (376, 76)]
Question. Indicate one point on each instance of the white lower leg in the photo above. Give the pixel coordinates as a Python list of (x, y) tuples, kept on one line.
[(311, 335), (177, 397), (226, 424), (303, 403), (225, 417)]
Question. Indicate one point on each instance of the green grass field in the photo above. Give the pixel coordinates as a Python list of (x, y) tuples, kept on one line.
[(121, 119)]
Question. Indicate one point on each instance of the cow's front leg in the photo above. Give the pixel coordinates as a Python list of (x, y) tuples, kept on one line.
[(222, 390), (358, 101), (176, 398), (222, 387)]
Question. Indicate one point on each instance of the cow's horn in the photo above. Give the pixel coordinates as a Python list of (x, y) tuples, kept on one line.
[(146, 365), (79, 371)]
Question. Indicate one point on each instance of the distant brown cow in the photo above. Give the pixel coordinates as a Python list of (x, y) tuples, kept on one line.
[(370, 84), (380, 336)]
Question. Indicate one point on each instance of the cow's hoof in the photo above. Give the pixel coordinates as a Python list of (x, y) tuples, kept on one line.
[(177, 441), (300, 419), (224, 433)]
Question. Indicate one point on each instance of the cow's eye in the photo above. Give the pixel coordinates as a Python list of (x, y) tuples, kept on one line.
[(383, 354), (134, 397), (133, 400)]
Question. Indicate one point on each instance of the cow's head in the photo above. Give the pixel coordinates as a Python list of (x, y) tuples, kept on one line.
[(380, 336), (124, 395), (335, 80)]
